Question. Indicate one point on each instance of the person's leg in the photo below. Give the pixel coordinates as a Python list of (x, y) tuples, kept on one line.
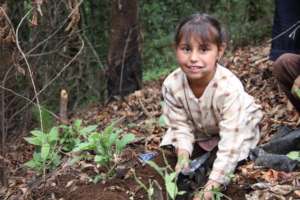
[(286, 69)]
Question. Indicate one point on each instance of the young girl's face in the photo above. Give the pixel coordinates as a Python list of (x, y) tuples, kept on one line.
[(198, 59)]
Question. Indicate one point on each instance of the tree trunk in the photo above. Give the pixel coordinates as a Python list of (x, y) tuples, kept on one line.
[(124, 73)]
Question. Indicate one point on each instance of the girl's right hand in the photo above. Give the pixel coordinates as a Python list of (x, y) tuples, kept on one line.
[(182, 161)]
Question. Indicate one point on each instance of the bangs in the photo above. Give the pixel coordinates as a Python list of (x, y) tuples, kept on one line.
[(204, 33)]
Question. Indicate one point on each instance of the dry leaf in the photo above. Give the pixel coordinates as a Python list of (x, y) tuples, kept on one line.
[(282, 189)]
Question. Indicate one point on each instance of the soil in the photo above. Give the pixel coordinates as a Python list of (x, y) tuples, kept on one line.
[(117, 188)]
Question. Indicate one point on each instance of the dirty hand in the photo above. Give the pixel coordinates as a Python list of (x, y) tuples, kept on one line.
[(206, 193), (296, 88), (182, 161)]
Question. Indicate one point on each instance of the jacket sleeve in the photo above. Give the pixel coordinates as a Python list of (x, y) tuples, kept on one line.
[(180, 129), (239, 132)]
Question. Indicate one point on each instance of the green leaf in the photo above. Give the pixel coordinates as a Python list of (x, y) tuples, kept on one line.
[(126, 139), (156, 167), (85, 131), (101, 149), (94, 138), (45, 151), (171, 189), (181, 192), (30, 164), (162, 121), (109, 129), (171, 177), (77, 124), (37, 156), (75, 160), (171, 186), (55, 159), (36, 133), (34, 140), (53, 135), (84, 146), (98, 178), (112, 139), (44, 138), (294, 155), (150, 191), (102, 160)]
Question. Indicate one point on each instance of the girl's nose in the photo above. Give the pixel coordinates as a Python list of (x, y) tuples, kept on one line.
[(194, 56)]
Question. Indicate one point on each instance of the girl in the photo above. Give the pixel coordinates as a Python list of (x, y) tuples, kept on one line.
[(206, 104)]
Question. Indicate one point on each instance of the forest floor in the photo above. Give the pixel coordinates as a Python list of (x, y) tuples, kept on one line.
[(140, 112)]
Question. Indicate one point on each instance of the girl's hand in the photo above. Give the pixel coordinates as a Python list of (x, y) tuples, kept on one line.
[(182, 161), (296, 88), (206, 193)]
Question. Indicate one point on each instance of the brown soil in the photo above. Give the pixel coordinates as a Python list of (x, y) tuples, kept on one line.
[(117, 188)]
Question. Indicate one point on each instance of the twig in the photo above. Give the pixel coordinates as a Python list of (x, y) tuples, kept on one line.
[(28, 67), (261, 60), (149, 115), (94, 52)]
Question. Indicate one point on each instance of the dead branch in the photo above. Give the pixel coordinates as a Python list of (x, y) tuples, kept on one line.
[(75, 17), (28, 66), (63, 114)]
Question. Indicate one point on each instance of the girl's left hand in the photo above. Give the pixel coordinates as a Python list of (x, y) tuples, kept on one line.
[(296, 88), (206, 193)]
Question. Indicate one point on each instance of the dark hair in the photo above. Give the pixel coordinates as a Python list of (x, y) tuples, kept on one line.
[(202, 25)]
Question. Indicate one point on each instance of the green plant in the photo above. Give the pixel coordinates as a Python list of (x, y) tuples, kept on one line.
[(149, 190), (70, 135), (46, 152), (104, 148), (216, 192), (170, 179)]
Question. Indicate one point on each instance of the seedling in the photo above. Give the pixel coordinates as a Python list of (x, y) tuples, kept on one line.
[(104, 148), (217, 194), (170, 180), (70, 135), (46, 152), (149, 190)]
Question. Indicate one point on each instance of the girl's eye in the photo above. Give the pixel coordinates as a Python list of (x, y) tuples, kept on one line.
[(186, 49), (204, 49)]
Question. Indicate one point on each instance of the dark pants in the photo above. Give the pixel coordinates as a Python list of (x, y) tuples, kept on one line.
[(286, 69)]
